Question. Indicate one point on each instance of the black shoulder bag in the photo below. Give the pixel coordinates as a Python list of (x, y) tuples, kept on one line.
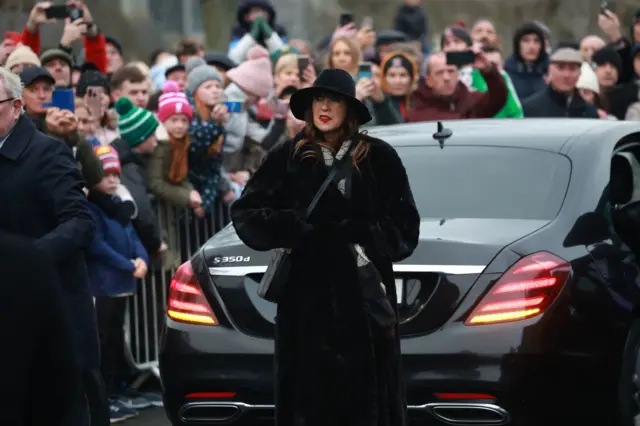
[(276, 276)]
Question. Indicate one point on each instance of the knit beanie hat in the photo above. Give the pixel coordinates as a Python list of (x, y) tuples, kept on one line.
[(91, 78), (51, 54), (192, 62), (607, 55), (201, 74), (108, 156), (588, 79), (135, 124), (173, 102), (22, 55), (253, 77)]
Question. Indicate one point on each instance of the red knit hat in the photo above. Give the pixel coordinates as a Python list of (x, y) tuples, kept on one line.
[(109, 158), (173, 102)]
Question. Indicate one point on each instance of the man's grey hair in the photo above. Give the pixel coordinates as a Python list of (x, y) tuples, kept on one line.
[(11, 83)]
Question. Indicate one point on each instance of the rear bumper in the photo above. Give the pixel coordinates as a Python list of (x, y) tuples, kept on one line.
[(530, 387)]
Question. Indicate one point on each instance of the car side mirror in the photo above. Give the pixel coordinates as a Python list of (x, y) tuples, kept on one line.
[(590, 228)]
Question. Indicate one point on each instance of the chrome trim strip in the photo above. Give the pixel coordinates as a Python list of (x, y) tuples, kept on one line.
[(243, 408), (241, 271)]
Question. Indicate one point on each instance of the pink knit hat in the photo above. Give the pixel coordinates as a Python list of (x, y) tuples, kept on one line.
[(173, 102), (253, 76), (257, 52)]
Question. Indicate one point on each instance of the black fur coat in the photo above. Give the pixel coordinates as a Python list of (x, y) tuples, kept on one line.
[(334, 365)]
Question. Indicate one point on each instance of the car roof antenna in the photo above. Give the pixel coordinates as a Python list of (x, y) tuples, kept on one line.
[(442, 134)]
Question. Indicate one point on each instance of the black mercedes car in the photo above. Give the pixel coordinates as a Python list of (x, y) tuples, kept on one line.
[(520, 305)]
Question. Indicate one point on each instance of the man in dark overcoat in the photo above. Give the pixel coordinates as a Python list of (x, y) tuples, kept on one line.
[(41, 198)]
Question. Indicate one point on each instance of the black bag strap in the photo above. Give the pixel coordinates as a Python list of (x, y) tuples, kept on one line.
[(337, 165)]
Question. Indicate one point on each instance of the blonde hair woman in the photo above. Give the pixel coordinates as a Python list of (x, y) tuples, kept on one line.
[(344, 54)]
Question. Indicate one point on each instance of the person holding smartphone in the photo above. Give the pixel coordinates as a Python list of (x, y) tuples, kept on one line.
[(441, 95), (369, 91)]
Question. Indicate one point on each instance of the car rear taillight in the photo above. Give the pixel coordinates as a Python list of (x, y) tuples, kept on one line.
[(527, 289), (186, 302)]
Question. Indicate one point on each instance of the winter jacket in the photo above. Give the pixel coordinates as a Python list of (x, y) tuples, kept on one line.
[(241, 40), (115, 245), (552, 104), (134, 178), (463, 103)]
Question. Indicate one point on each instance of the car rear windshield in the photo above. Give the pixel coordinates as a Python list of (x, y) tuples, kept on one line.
[(486, 182)]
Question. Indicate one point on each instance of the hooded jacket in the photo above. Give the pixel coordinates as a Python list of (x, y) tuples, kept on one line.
[(527, 78)]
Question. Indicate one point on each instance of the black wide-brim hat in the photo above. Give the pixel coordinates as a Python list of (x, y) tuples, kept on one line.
[(333, 81)]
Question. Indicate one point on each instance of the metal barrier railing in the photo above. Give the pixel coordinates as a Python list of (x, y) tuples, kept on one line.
[(145, 312)]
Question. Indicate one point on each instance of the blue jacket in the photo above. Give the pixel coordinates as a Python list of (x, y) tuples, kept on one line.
[(109, 258)]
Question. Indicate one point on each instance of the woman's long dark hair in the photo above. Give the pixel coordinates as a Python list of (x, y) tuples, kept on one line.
[(349, 130)]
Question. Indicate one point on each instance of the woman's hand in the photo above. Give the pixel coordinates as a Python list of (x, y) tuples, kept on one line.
[(348, 31), (366, 37), (220, 112), (378, 94), (308, 76), (365, 89)]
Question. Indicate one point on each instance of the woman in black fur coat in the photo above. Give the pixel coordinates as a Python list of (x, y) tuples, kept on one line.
[(337, 344)]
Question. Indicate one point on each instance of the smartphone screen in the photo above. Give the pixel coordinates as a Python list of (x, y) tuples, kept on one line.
[(364, 70), (303, 63), (57, 12), (233, 107), (461, 59), (62, 99), (94, 100), (346, 19)]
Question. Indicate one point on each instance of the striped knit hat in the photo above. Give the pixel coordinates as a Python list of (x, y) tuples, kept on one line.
[(135, 124), (173, 102), (109, 158)]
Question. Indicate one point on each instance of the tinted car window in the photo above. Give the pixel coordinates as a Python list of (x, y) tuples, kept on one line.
[(486, 182)]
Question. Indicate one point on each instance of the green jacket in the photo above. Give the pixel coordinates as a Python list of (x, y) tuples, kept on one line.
[(512, 109)]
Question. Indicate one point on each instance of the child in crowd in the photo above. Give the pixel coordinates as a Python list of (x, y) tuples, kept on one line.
[(169, 164), (115, 259)]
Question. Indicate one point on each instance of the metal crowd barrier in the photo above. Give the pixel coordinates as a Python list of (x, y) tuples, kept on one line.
[(145, 311)]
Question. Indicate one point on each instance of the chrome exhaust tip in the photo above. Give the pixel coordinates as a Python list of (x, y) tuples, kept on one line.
[(461, 413), (211, 412)]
